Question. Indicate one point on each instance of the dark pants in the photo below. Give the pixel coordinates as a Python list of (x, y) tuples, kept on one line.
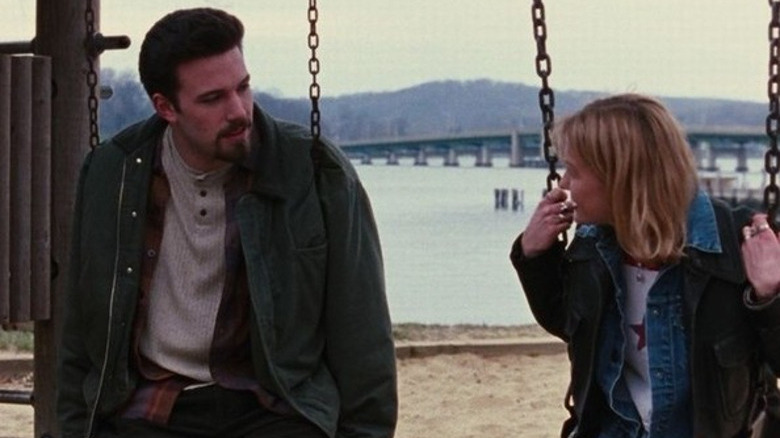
[(216, 412)]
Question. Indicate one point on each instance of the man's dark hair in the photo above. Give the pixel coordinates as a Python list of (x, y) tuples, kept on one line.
[(182, 36)]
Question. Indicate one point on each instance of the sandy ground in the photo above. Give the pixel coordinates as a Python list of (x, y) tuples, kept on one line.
[(468, 396), (446, 395)]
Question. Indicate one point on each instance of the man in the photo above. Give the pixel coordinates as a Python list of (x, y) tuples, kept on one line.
[(224, 282)]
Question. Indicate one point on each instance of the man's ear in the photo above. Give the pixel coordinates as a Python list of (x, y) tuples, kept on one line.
[(164, 107)]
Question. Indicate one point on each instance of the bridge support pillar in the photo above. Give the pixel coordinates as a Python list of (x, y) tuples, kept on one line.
[(516, 158), (712, 161), (392, 159), (699, 153), (451, 159), (741, 158), (422, 158), (706, 157), (484, 158)]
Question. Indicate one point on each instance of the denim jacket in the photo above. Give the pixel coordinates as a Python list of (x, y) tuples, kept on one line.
[(664, 333), (570, 289)]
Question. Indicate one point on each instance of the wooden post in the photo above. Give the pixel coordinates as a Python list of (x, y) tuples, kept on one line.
[(5, 186), (40, 223), (60, 33), (21, 186)]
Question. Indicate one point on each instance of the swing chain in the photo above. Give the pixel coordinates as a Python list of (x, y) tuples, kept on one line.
[(314, 69), (772, 156), (546, 96), (92, 77)]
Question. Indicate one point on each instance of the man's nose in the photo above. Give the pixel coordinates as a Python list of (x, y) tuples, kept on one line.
[(236, 108)]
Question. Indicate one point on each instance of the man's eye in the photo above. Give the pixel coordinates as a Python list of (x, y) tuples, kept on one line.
[(210, 98)]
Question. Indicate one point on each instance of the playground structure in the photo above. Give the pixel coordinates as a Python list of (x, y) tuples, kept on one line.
[(48, 119)]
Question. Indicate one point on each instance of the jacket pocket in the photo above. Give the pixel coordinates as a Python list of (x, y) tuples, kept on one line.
[(735, 357)]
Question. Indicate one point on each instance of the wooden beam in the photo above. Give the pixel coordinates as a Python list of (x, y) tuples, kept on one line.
[(40, 222), (21, 186), (5, 187), (60, 33)]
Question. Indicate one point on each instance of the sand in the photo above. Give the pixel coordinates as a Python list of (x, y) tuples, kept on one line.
[(469, 396), (462, 395)]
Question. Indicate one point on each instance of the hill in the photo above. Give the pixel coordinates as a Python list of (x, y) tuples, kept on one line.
[(439, 107)]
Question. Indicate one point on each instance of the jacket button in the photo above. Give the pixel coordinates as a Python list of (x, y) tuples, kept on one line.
[(129, 270), (134, 214), (138, 160)]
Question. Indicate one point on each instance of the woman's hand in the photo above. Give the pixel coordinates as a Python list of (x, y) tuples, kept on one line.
[(552, 216), (761, 255)]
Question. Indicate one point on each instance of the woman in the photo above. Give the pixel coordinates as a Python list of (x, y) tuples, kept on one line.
[(649, 295)]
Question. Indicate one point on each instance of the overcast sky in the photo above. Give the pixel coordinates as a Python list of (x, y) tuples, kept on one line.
[(688, 48)]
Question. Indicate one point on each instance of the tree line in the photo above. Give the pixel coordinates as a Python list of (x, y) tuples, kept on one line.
[(432, 108)]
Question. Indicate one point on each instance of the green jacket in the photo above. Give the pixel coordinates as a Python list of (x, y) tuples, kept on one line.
[(321, 337)]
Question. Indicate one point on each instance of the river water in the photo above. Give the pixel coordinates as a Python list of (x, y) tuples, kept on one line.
[(446, 246)]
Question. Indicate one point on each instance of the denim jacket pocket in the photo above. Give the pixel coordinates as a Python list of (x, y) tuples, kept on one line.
[(735, 356)]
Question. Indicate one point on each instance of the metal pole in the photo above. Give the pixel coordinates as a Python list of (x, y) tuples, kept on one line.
[(60, 33), (16, 397), (17, 47)]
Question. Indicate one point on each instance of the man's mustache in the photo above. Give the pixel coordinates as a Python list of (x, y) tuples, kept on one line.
[(234, 127)]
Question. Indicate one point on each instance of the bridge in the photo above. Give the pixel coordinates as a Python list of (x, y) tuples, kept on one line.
[(523, 147)]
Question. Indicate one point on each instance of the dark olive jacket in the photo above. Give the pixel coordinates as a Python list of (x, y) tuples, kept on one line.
[(567, 290), (321, 336)]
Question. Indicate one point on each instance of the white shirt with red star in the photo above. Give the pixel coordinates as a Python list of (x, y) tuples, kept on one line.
[(639, 280)]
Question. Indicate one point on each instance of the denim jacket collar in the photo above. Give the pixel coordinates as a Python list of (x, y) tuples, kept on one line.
[(702, 228)]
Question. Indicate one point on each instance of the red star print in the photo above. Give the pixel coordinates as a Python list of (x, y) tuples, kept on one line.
[(639, 329)]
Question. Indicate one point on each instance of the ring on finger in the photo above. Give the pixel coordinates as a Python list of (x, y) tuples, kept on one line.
[(757, 229)]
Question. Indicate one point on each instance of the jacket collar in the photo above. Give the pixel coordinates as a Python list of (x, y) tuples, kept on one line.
[(702, 227), (710, 247), (266, 158)]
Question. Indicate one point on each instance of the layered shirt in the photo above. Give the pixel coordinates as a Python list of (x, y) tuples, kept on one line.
[(225, 357), (642, 366)]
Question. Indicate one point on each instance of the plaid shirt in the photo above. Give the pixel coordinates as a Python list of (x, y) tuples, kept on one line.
[(229, 359)]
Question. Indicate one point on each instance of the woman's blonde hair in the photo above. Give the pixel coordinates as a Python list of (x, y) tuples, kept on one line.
[(638, 149)]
